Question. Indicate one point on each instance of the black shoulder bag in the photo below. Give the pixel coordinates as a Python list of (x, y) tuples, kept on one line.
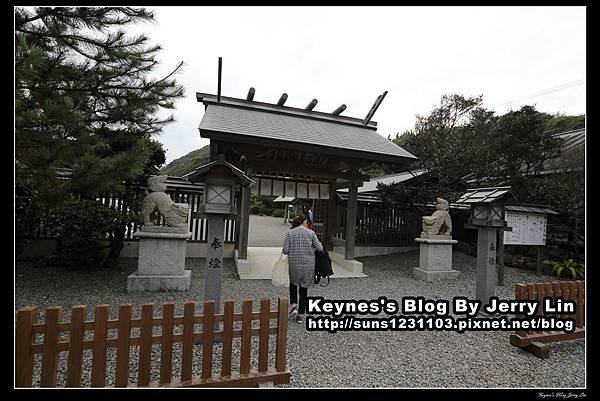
[(323, 267)]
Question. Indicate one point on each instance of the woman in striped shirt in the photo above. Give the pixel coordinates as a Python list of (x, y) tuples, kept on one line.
[(300, 245)]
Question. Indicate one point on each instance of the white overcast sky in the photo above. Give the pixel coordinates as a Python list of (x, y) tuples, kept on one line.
[(351, 55)]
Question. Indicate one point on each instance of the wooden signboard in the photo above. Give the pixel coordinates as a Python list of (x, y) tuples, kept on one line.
[(527, 228)]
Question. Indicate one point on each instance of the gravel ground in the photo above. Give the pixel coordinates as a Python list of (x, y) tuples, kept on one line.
[(345, 359)]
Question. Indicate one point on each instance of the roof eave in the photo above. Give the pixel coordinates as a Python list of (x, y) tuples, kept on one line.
[(249, 139)]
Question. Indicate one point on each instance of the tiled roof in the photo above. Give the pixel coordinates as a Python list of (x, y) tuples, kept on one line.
[(284, 199), (371, 186), (360, 197), (571, 143), (285, 127), (530, 209), (483, 195), (572, 140)]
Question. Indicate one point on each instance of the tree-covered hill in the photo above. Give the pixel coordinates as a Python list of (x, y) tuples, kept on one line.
[(187, 163)]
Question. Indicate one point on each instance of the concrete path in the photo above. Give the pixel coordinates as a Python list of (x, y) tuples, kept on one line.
[(260, 261), (264, 247), (266, 231)]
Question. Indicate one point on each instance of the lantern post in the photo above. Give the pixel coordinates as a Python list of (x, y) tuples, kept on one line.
[(221, 182), (487, 216)]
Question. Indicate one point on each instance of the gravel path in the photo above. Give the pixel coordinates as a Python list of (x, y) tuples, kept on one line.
[(346, 359)]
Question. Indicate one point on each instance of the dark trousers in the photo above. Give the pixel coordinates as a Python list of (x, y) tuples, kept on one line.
[(294, 297)]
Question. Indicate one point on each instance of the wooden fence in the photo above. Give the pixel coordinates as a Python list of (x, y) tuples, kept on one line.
[(534, 341), (198, 226), (381, 226), (94, 335)]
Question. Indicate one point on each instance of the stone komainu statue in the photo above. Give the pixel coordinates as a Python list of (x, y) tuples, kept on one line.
[(439, 223), (175, 214)]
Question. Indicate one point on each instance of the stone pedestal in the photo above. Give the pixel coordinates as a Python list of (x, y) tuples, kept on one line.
[(161, 262), (435, 261)]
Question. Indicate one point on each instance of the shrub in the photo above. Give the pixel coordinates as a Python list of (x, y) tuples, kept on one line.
[(80, 225), (574, 270), (267, 211), (263, 205), (278, 213), (257, 207), (27, 220)]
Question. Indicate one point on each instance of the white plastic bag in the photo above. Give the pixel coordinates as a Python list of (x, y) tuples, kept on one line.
[(281, 273)]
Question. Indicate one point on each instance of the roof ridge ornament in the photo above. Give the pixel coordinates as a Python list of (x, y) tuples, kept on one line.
[(339, 110), (250, 95), (219, 79), (374, 108), (311, 105), (307, 112), (282, 99)]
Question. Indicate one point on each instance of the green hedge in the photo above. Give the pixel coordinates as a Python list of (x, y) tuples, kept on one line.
[(80, 224)]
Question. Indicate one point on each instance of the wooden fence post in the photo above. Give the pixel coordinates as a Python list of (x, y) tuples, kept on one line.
[(99, 348), (145, 352), (208, 328), (166, 351), (263, 339), (282, 324), (246, 336), (188, 341), (50, 354), (227, 338), (123, 343), (76, 337), (24, 357)]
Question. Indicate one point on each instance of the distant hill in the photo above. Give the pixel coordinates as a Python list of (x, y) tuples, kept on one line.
[(187, 163), (557, 123)]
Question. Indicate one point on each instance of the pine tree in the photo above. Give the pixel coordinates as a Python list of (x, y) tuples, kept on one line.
[(85, 100), (86, 109)]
